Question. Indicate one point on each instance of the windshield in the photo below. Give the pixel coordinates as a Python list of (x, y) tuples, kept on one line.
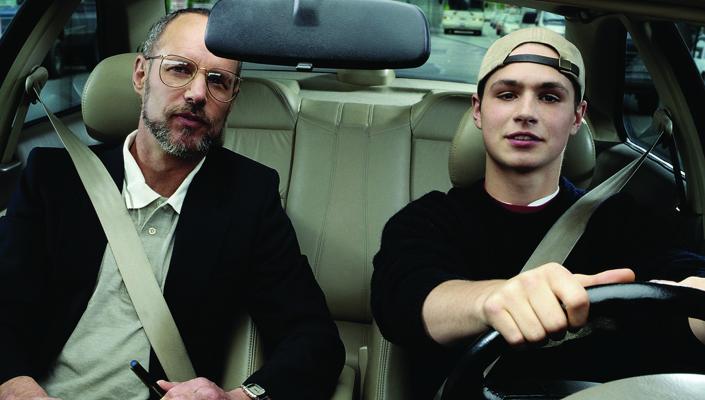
[(457, 44)]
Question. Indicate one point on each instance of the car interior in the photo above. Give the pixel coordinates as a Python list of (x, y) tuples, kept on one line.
[(353, 145)]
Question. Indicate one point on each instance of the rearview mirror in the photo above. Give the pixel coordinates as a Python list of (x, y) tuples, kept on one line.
[(353, 34)]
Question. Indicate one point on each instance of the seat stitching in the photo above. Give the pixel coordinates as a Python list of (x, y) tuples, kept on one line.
[(253, 351), (334, 164), (365, 293), (278, 92), (439, 97), (383, 368), (315, 122)]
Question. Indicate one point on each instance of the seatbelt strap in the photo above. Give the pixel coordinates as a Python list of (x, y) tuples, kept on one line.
[(127, 248), (17, 125), (559, 241)]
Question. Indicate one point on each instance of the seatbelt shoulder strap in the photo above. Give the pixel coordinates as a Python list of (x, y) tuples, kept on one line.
[(560, 240), (132, 262)]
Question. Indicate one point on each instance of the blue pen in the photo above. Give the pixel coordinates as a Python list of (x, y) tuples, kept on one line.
[(146, 378)]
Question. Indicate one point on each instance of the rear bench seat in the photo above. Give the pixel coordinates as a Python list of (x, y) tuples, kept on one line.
[(344, 169)]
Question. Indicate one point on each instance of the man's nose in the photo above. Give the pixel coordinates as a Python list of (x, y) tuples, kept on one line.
[(526, 110), (197, 90)]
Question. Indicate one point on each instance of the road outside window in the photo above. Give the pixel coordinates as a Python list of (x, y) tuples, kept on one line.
[(8, 9), (640, 96), (70, 60)]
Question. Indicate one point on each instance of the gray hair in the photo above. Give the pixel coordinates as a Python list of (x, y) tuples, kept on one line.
[(155, 32)]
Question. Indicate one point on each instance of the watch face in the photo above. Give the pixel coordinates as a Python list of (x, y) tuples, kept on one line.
[(256, 389)]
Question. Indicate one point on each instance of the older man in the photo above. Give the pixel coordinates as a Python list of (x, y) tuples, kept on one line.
[(448, 264), (213, 229)]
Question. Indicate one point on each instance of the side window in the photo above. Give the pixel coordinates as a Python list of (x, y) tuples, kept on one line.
[(640, 96), (8, 9), (640, 100), (69, 62)]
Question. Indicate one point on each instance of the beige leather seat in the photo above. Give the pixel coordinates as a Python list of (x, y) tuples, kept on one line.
[(350, 174), (261, 126), (354, 166), (434, 121)]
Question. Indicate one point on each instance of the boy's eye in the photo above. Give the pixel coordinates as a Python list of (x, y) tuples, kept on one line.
[(550, 98), (506, 96)]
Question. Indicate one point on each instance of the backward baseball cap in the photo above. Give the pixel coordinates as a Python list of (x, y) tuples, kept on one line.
[(569, 63)]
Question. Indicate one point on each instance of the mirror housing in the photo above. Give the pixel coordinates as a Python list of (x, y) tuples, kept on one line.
[(359, 34)]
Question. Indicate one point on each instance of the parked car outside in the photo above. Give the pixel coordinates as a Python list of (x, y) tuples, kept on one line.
[(463, 15), (510, 23), (551, 21)]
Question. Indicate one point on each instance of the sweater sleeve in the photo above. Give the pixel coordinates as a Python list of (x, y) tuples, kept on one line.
[(415, 256), (654, 245)]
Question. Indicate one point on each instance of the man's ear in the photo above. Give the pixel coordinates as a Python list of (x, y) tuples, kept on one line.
[(579, 116), (139, 74), (476, 105)]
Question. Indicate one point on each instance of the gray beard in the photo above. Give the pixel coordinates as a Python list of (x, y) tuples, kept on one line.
[(161, 132)]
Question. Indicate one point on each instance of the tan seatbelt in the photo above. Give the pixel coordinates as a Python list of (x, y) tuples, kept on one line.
[(567, 230), (126, 245), (17, 124)]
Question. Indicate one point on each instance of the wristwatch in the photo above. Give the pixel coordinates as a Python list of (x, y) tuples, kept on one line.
[(255, 391)]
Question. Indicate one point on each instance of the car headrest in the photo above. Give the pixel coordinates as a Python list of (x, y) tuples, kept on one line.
[(265, 104), (466, 163), (110, 106)]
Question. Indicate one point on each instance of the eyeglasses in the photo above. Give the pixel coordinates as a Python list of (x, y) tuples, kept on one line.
[(177, 71)]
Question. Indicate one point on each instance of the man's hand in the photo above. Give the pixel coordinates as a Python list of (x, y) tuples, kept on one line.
[(199, 389), (23, 388), (543, 301), (696, 325)]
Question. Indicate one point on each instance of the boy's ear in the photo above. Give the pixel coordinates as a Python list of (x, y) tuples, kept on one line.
[(476, 105), (579, 116)]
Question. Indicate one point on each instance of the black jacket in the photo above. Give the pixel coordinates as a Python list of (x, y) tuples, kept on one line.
[(234, 247)]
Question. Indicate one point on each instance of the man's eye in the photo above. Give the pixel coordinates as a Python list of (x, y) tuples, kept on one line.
[(179, 68), (220, 80)]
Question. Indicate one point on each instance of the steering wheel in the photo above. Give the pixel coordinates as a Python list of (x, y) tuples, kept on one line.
[(608, 301)]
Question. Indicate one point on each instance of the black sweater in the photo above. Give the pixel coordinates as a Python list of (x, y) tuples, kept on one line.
[(465, 234)]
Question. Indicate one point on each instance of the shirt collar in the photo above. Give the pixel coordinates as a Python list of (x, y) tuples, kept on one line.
[(137, 193), (544, 200)]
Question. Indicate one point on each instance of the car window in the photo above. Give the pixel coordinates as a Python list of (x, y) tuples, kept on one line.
[(8, 9), (69, 62), (640, 96)]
